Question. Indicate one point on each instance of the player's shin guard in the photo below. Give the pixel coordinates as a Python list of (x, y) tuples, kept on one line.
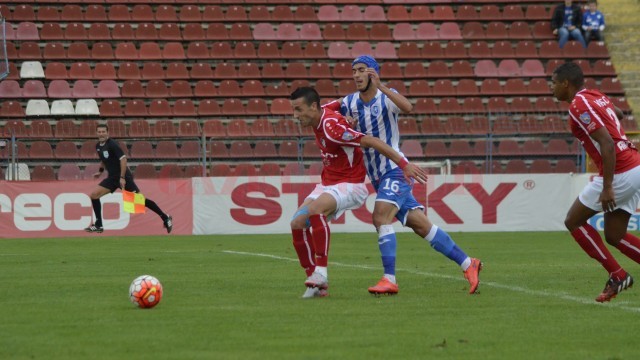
[(97, 210), (442, 243), (387, 245), (321, 238), (591, 242), (303, 244), (630, 246)]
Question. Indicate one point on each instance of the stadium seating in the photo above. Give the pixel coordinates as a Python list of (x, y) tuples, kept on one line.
[(126, 62)]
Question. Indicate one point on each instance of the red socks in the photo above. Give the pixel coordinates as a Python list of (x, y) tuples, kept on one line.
[(591, 242), (321, 237), (303, 243), (630, 246)]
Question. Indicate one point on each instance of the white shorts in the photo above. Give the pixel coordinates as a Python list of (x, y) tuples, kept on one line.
[(348, 196), (626, 187)]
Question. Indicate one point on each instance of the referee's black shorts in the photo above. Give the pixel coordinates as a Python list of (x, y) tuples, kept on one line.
[(113, 183)]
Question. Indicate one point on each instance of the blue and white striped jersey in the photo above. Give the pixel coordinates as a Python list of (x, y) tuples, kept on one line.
[(378, 118)]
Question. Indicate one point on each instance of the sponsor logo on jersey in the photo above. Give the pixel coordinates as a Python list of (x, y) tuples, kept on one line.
[(105, 153), (585, 118)]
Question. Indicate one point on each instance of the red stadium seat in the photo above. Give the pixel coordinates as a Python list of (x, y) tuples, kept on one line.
[(509, 68), (142, 13), (43, 173), (211, 13), (288, 149), (170, 31), (461, 148), (457, 126), (533, 147), (303, 13), (219, 32), (565, 166), (201, 71), (461, 68), (436, 148), (427, 31), (166, 150), (265, 149), (558, 147), (467, 87), (40, 129), (293, 169), (536, 12), (241, 149), (142, 149), (542, 30), (209, 107), (284, 13), (166, 13), (498, 105), (473, 30), (486, 68), (229, 88), (145, 171), (419, 88), (171, 171), (540, 166), (270, 169), (520, 30), (455, 50), (516, 166), (40, 150), (449, 31), (433, 126)]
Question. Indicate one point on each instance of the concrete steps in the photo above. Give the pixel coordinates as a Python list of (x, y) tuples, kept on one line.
[(622, 36)]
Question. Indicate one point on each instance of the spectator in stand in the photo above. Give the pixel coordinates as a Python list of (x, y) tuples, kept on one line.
[(566, 23), (593, 23)]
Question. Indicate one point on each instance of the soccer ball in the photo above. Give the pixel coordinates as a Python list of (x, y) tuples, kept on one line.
[(145, 291)]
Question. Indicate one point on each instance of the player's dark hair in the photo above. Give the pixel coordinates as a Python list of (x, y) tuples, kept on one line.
[(102, 126), (592, 2), (309, 94), (572, 72)]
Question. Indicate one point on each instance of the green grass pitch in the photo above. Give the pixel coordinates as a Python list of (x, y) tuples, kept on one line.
[(238, 297)]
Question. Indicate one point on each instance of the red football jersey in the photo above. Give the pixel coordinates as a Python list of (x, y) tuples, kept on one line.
[(340, 148), (591, 110)]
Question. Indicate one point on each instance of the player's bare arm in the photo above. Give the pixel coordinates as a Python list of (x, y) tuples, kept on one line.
[(619, 112), (100, 170), (409, 169), (401, 102), (608, 152), (123, 171)]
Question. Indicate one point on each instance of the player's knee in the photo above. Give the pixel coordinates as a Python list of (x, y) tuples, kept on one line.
[(300, 219), (570, 224), (297, 223), (379, 221), (613, 237)]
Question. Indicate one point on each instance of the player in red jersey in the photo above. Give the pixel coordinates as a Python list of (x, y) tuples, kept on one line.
[(342, 186), (616, 189)]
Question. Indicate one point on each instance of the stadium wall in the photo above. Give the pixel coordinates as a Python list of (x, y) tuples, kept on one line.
[(257, 205)]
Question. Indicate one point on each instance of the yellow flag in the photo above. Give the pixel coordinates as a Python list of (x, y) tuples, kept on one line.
[(133, 202)]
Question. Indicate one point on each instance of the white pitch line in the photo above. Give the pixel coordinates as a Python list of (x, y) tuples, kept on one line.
[(520, 289)]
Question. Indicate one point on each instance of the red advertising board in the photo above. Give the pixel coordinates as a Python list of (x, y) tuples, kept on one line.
[(62, 209)]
